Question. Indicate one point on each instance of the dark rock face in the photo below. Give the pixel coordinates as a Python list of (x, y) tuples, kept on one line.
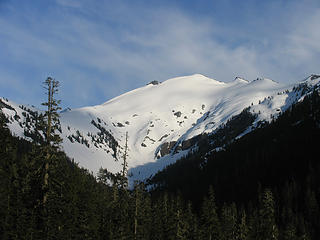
[(120, 125), (152, 140), (223, 135), (314, 76), (154, 83), (190, 142), (177, 114), (172, 147), (164, 136), (4, 105), (166, 147)]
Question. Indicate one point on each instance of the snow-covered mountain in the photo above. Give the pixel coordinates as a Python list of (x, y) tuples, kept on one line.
[(163, 120)]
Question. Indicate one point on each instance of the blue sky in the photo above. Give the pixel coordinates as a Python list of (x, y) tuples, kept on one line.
[(100, 49)]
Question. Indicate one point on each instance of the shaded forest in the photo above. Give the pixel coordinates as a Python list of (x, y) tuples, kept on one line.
[(264, 185), (282, 156)]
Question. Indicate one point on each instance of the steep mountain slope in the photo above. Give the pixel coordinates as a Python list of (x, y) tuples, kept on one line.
[(282, 152), (164, 120)]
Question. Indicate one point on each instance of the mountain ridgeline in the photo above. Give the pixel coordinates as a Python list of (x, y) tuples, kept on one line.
[(274, 152), (165, 121), (281, 155), (236, 160)]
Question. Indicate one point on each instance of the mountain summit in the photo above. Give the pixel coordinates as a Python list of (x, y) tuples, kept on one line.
[(163, 120)]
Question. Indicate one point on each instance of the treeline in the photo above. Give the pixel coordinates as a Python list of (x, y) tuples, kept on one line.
[(80, 207), (281, 156)]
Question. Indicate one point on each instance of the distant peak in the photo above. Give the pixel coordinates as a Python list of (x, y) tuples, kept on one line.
[(314, 76), (193, 78), (154, 83), (264, 79), (311, 77), (240, 79), (198, 75)]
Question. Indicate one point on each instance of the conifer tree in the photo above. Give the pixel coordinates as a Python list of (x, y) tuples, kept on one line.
[(312, 206), (141, 212), (146, 216), (211, 228), (267, 229), (289, 232), (124, 171), (191, 223), (181, 225), (229, 222), (242, 226), (137, 209), (52, 141), (51, 115), (160, 209), (52, 124), (288, 218), (304, 234)]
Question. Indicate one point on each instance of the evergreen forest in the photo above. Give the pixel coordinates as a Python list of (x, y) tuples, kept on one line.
[(265, 185)]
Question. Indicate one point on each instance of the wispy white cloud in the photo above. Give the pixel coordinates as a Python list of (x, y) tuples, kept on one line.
[(305, 38), (101, 49)]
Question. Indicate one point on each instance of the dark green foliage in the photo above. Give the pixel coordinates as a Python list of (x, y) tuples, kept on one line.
[(229, 222), (141, 209), (235, 126), (79, 138), (281, 156), (266, 226), (242, 227), (106, 136), (211, 226), (52, 122), (80, 207)]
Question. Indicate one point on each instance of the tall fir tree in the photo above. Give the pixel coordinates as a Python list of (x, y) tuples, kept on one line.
[(52, 142), (267, 228), (51, 125), (141, 212), (124, 171), (211, 227), (242, 227), (229, 222), (51, 115)]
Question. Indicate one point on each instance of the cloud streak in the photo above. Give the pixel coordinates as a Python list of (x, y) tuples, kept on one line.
[(100, 50)]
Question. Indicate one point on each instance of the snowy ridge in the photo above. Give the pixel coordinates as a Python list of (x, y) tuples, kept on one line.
[(159, 119)]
